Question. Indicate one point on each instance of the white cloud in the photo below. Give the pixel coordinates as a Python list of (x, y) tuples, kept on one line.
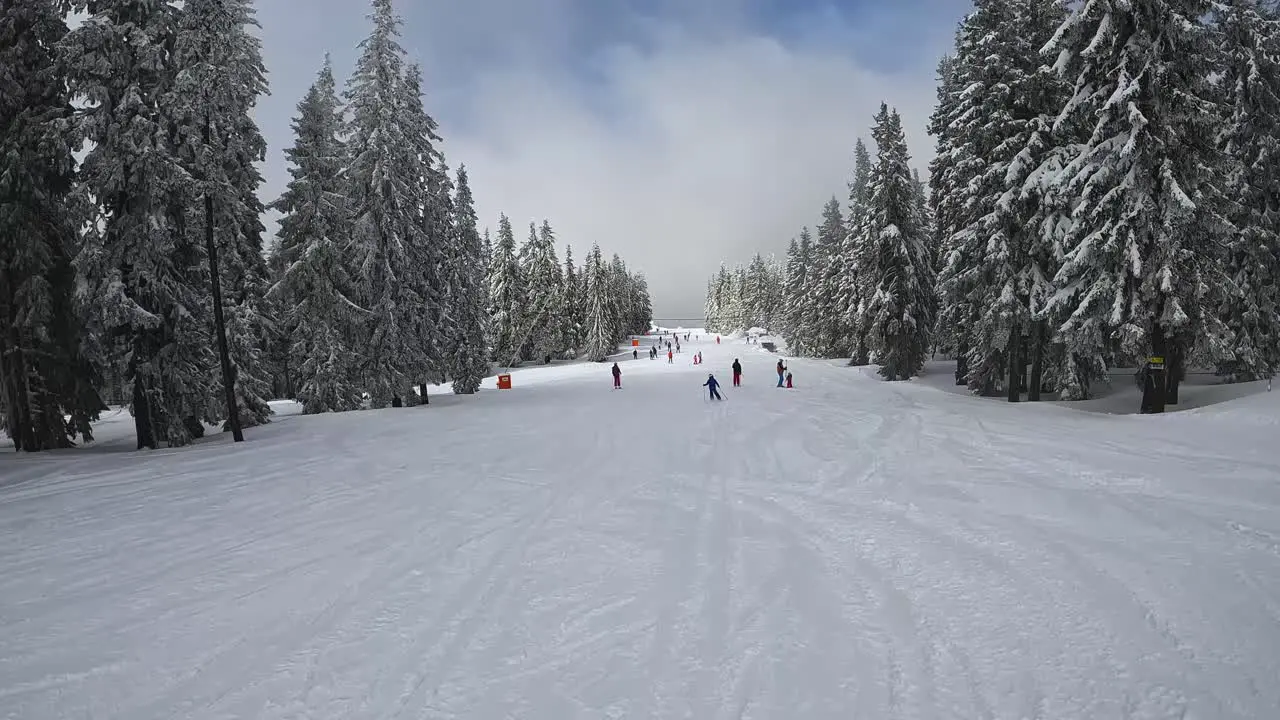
[(706, 143), (706, 151)]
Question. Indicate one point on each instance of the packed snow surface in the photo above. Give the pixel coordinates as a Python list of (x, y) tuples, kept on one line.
[(847, 549)]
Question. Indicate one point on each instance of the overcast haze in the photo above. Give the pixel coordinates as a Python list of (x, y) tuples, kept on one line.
[(675, 133)]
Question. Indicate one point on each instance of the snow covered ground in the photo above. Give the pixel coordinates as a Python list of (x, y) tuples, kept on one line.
[(850, 548)]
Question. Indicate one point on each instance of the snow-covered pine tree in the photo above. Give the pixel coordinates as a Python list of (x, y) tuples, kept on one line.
[(435, 253), (998, 134), (546, 287), (620, 297), (853, 287), (641, 306), (718, 301), (505, 297), (1142, 252), (830, 333), (220, 77), (793, 292), (1248, 40), (388, 197), (901, 311), (950, 173), (316, 284), (600, 340), (470, 357), (572, 309), (144, 272), (47, 384), (1031, 209)]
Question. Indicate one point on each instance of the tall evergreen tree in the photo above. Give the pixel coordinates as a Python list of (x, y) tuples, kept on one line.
[(1142, 252), (600, 339), (853, 289), (47, 393), (951, 171), (831, 337), (145, 273), (386, 177), (437, 330), (220, 77), (316, 285), (572, 309), (997, 274), (793, 292), (470, 358), (505, 297), (901, 311), (1247, 34)]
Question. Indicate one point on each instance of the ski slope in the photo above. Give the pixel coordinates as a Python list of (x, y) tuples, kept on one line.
[(847, 549)]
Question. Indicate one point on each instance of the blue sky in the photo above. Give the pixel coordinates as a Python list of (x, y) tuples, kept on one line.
[(678, 134)]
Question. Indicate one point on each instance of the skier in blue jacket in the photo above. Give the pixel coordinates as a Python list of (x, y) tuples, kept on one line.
[(712, 385)]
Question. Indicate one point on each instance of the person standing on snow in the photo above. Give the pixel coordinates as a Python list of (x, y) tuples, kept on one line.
[(617, 377), (737, 373), (713, 387), (670, 357), (782, 369), (789, 379), (635, 354)]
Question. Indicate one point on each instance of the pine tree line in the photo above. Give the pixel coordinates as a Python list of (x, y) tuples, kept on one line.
[(863, 287), (138, 274), (746, 297), (541, 310), (1103, 195)]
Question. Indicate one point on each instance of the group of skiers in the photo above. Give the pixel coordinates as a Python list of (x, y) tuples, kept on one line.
[(712, 385)]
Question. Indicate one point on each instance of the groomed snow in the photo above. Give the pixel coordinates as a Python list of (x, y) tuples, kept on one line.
[(847, 549)]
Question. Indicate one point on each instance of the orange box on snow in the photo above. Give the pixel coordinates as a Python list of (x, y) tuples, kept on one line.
[(504, 382), (635, 343)]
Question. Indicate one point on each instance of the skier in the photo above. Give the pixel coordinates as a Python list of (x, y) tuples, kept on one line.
[(712, 386), (717, 339), (670, 357), (789, 379), (635, 354), (737, 373), (617, 377), (782, 369)]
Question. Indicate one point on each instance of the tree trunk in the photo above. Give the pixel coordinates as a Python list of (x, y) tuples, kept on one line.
[(142, 414), (962, 364), (1037, 361), (422, 393), (219, 322), (1015, 366), (1155, 384), (1177, 373)]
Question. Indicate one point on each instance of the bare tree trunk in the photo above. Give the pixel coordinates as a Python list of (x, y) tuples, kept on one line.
[(219, 322), (1037, 361), (142, 414), (962, 364), (1177, 373), (1015, 366), (1155, 383)]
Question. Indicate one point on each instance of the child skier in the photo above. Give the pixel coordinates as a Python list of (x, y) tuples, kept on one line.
[(788, 379), (617, 377), (670, 357), (737, 373), (712, 386)]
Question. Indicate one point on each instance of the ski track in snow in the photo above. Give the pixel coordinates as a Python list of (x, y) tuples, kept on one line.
[(850, 548)]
